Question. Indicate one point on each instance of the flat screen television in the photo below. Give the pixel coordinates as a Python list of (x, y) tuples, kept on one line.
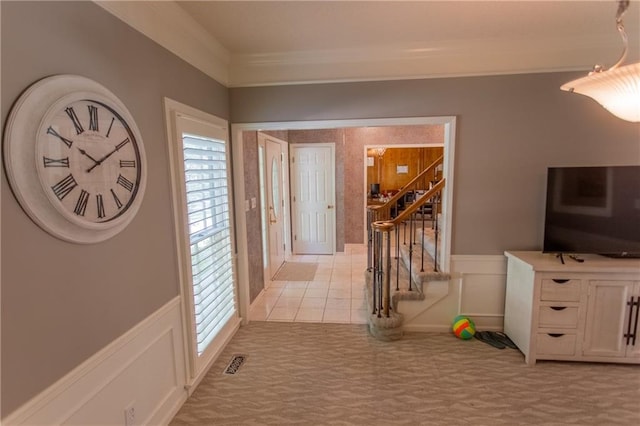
[(593, 210), (375, 190)]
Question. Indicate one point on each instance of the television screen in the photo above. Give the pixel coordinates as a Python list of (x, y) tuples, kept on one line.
[(593, 210), (375, 189)]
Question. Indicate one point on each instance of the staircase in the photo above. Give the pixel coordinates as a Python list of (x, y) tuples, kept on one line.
[(403, 276)]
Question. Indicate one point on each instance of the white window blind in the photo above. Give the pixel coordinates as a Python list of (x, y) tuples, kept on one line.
[(208, 216)]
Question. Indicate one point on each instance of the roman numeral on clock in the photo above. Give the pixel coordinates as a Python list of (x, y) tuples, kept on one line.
[(127, 163), (74, 119), (81, 204), (110, 126), (52, 131), (100, 205), (116, 199), (93, 117), (64, 187), (54, 162), (125, 183)]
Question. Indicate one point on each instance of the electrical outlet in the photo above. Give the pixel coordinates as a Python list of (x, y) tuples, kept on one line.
[(130, 415)]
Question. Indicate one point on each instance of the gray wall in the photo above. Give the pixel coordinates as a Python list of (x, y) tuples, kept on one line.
[(63, 302), (509, 130)]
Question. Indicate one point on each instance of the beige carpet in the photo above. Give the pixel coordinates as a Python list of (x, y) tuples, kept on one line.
[(296, 271), (336, 374)]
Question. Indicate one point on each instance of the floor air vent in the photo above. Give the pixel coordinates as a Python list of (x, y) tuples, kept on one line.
[(235, 364)]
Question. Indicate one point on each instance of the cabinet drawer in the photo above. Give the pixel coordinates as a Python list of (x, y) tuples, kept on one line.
[(558, 316), (556, 344), (562, 290)]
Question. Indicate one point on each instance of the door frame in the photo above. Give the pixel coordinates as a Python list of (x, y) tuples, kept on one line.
[(332, 148), (449, 123)]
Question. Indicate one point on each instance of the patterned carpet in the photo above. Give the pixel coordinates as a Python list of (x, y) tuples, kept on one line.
[(336, 374)]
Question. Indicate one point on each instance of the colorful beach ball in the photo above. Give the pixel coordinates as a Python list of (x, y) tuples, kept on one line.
[(463, 327)]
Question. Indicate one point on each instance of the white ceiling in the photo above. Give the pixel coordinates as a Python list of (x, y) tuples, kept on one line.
[(283, 42)]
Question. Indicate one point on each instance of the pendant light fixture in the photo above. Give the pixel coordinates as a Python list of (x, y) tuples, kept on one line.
[(618, 88)]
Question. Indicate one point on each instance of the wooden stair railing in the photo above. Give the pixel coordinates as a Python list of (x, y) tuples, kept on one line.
[(377, 212), (380, 240), (423, 177)]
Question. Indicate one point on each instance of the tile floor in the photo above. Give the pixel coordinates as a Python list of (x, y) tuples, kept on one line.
[(336, 294)]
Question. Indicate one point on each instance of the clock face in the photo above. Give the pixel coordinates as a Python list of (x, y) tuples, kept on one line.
[(74, 159), (88, 161)]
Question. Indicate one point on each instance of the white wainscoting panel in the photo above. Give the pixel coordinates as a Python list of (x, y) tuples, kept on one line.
[(476, 289), (481, 282), (143, 369)]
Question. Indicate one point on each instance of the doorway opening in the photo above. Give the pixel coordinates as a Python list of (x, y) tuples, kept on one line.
[(248, 222)]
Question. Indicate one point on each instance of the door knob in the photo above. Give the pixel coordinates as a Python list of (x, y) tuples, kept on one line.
[(329, 206)]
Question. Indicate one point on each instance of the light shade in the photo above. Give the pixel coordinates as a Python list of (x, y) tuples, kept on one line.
[(618, 90)]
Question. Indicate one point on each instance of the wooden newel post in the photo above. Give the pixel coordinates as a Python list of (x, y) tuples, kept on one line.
[(384, 301)]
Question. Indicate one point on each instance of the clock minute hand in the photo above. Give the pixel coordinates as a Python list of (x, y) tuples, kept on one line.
[(117, 148)]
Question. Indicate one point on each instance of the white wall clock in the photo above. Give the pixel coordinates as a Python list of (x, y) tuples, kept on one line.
[(74, 159)]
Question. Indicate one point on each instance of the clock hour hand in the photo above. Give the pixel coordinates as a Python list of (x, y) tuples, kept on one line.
[(83, 152), (117, 148)]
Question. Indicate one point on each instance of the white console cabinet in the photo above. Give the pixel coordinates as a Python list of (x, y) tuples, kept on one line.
[(574, 311)]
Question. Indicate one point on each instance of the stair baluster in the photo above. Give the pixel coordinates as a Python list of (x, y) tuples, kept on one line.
[(398, 257), (434, 211), (422, 244), (370, 214)]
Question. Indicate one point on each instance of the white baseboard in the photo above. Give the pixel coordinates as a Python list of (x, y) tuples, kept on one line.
[(144, 368)]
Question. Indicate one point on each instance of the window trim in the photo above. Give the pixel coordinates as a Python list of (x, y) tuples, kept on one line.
[(175, 114)]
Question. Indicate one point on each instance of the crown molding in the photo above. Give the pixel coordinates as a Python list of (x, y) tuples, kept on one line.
[(445, 59), (170, 26)]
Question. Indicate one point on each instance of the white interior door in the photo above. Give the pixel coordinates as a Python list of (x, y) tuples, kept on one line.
[(275, 206), (313, 203)]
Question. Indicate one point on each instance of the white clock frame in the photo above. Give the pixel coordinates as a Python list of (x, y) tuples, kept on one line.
[(25, 120)]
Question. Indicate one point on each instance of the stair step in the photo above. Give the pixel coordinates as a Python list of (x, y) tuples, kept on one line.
[(390, 328), (421, 274), (428, 242)]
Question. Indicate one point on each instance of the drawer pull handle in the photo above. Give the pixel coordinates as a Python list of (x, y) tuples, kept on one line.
[(558, 308), (631, 336), (555, 334), (559, 281)]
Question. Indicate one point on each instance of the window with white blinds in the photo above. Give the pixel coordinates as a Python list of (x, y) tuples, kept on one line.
[(202, 195), (210, 239)]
